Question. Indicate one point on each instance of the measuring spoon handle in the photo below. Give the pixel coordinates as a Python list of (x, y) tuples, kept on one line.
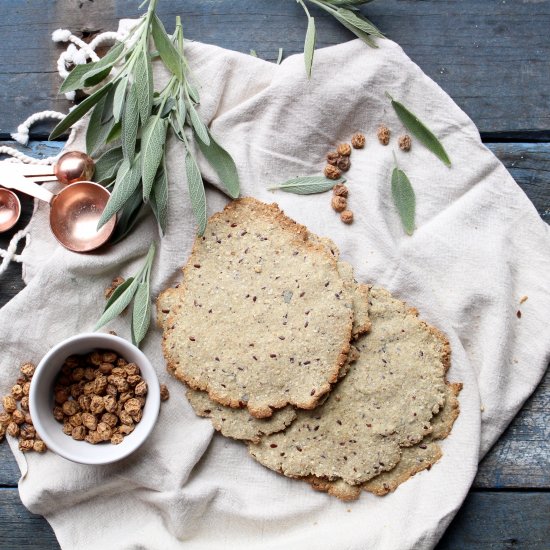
[(20, 183)]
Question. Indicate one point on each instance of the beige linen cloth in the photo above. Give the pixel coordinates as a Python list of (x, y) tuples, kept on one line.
[(479, 246)]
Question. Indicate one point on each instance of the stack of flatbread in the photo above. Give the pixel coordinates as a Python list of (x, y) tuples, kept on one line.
[(327, 380)]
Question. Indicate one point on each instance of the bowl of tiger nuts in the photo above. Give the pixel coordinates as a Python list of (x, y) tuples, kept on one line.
[(94, 398)]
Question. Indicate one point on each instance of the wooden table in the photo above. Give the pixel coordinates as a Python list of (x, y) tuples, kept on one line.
[(491, 56)]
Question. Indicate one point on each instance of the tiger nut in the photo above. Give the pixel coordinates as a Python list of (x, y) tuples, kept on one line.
[(339, 203)]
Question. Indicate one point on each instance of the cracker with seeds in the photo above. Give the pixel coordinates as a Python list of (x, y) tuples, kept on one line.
[(384, 403), (264, 319)]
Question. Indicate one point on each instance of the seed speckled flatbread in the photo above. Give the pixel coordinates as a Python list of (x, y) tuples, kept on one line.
[(264, 319), (384, 403), (415, 459)]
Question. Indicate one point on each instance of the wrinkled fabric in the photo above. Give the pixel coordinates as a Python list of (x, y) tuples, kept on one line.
[(478, 247)]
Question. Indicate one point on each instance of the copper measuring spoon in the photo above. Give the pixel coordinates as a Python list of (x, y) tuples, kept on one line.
[(74, 211), (10, 209)]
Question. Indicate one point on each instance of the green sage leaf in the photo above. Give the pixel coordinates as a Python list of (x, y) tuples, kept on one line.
[(198, 125), (196, 192), (192, 91), (118, 100), (365, 37), (141, 313), (107, 164), (143, 81), (404, 199), (97, 131), (115, 132), (79, 111), (127, 181), (119, 305), (358, 21), (309, 45), (117, 293), (128, 216), (82, 75), (152, 149), (280, 56), (159, 198), (166, 49), (130, 124), (222, 163), (420, 131), (307, 185)]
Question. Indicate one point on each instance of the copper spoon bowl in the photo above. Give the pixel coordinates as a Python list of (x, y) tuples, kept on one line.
[(74, 212), (10, 209)]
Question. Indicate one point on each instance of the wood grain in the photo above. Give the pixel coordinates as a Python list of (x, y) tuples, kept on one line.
[(492, 57), (486, 521)]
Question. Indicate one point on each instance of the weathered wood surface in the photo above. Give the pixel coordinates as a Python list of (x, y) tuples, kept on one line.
[(487, 521), (493, 57)]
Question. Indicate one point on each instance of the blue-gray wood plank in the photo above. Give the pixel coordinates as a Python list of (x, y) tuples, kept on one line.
[(492, 57)]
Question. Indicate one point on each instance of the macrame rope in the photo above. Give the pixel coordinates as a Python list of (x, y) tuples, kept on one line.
[(10, 255), (77, 53)]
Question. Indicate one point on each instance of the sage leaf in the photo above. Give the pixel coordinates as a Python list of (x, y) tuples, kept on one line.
[(166, 49), (358, 21), (119, 305), (420, 131), (79, 111), (196, 192), (222, 163), (97, 131), (198, 125), (115, 132), (309, 45), (107, 165), (280, 56), (141, 313), (365, 37), (192, 91), (152, 149), (169, 105), (127, 181), (130, 123), (94, 78), (143, 81), (118, 292), (404, 199), (159, 198), (307, 185), (118, 100), (128, 216), (82, 75)]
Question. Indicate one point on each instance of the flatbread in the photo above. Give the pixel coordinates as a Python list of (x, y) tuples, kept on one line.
[(264, 319), (384, 403)]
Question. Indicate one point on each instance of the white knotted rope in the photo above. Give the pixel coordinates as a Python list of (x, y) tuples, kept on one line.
[(77, 53)]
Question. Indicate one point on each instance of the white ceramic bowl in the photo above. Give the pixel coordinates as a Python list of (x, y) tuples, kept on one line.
[(41, 401)]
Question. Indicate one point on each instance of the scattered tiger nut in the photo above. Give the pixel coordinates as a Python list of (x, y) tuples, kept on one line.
[(332, 158), (28, 419), (2, 432), (344, 149), (17, 392), (164, 392), (331, 172), (340, 190), (358, 141), (404, 142), (383, 134), (39, 446), (27, 432), (344, 164), (339, 203), (347, 216), (27, 370), (9, 404), (26, 388), (5, 418), (13, 429), (26, 445), (18, 417)]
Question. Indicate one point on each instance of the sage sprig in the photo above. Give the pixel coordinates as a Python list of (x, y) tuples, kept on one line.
[(419, 130), (403, 197), (128, 108), (138, 290), (347, 13), (307, 185)]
